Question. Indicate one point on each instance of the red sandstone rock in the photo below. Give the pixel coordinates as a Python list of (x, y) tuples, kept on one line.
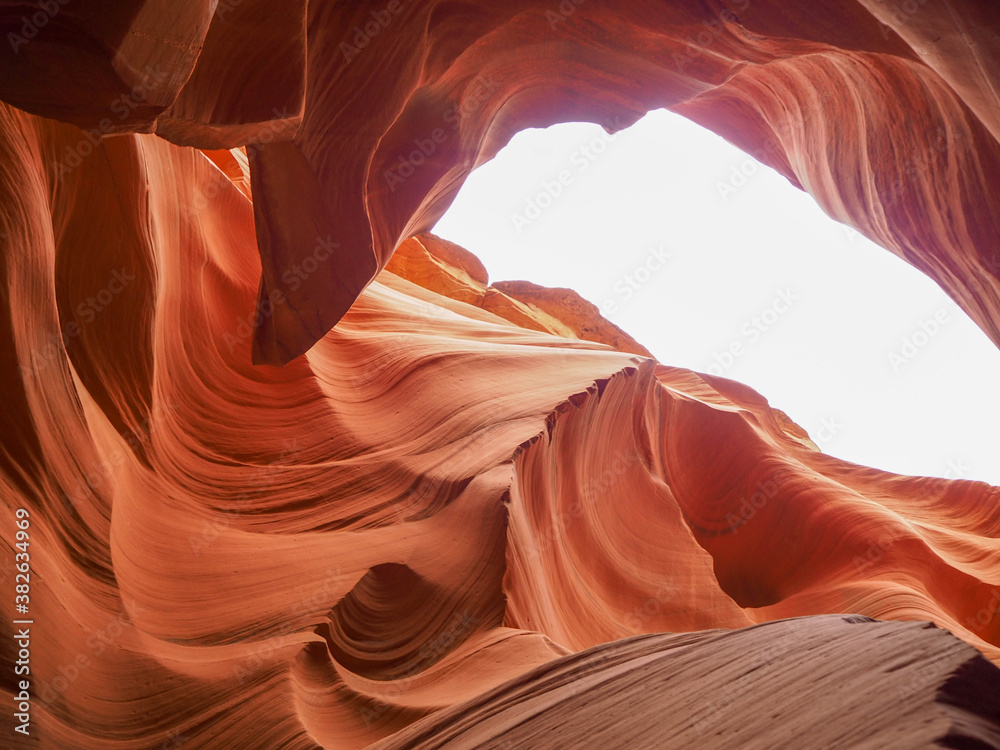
[(777, 685), (886, 114), (423, 515), (453, 271)]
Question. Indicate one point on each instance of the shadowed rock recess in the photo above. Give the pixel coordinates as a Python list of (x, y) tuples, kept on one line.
[(286, 488)]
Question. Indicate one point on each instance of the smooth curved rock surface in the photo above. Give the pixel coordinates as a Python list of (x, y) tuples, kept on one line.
[(431, 502), (365, 118), (460, 487), (812, 682)]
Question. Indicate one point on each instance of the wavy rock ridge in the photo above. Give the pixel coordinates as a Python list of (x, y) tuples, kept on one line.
[(465, 504), (887, 114)]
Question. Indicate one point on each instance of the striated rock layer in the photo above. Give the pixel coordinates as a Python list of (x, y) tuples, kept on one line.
[(366, 117), (469, 515), (436, 499), (784, 684)]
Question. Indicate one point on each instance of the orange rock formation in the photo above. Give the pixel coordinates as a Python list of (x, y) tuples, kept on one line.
[(468, 515)]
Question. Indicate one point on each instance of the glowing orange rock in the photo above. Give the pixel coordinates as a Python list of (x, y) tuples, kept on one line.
[(364, 120), (408, 532)]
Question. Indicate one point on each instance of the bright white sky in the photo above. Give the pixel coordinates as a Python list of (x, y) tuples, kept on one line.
[(812, 309)]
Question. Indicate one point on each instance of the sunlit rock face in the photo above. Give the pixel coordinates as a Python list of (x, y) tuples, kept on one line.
[(468, 515), (367, 116)]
